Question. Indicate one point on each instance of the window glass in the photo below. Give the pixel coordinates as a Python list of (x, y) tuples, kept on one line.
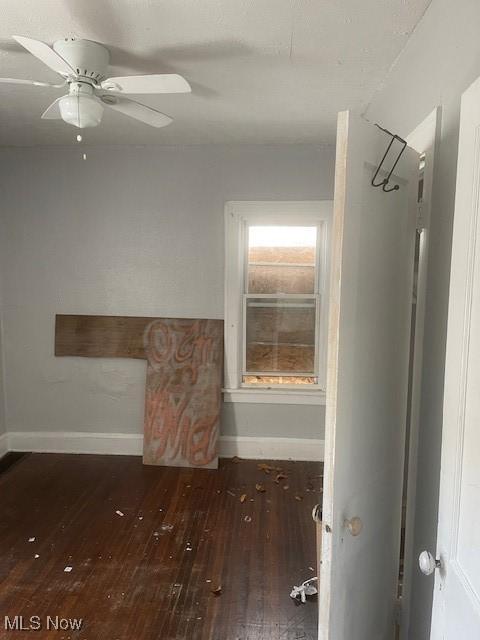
[(281, 259), (280, 335)]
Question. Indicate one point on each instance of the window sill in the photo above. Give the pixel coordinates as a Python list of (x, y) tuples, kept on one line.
[(275, 396)]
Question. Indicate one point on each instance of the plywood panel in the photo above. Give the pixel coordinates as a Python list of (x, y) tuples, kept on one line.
[(183, 383), (281, 270), (282, 357), (183, 392), (100, 336)]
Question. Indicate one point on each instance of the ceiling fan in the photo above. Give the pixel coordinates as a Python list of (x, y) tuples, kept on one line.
[(83, 66)]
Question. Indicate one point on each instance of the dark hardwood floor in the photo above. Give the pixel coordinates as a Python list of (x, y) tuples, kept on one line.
[(9, 459), (151, 573)]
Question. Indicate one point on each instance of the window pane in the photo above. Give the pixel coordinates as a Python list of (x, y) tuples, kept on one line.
[(280, 335), (281, 259)]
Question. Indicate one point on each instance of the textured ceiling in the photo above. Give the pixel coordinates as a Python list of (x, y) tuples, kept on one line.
[(269, 71)]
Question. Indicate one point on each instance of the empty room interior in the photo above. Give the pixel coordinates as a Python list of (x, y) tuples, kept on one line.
[(239, 390)]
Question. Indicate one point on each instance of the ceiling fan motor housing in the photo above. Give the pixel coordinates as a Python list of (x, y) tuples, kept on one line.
[(88, 59)]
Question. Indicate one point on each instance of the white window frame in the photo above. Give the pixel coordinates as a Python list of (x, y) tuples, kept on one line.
[(239, 214)]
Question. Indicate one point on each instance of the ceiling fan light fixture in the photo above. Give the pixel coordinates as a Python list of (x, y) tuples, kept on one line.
[(83, 66), (81, 111)]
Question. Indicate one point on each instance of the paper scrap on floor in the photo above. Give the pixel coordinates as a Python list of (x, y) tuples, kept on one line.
[(304, 590)]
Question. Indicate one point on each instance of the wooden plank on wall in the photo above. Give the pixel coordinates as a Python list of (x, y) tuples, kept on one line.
[(100, 336)]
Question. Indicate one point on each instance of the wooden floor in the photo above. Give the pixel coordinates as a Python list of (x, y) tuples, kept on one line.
[(152, 572)]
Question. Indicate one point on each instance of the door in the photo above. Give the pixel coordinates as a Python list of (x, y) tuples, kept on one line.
[(373, 240), (456, 607)]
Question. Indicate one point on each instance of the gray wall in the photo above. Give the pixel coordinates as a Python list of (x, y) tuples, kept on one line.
[(129, 231), (441, 59), (2, 375)]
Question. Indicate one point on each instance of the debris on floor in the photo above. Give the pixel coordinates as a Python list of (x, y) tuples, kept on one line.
[(156, 539), (264, 467), (304, 590), (267, 468)]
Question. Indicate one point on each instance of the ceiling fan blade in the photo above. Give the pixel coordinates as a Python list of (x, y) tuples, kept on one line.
[(136, 110), (53, 111), (35, 83), (154, 83), (46, 54)]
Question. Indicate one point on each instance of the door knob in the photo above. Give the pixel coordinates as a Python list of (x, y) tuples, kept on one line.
[(317, 513), (354, 526), (428, 563)]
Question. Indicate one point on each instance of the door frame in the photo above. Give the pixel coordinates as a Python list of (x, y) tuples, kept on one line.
[(424, 139)]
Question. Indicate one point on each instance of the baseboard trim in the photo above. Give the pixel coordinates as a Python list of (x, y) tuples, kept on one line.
[(3, 445), (302, 449), (75, 442)]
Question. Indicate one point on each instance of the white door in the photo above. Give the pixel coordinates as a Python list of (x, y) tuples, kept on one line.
[(456, 608), (373, 239)]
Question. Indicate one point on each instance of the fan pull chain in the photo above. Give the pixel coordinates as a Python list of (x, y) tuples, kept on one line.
[(79, 139)]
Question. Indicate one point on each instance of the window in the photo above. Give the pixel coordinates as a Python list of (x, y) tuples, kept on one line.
[(275, 297)]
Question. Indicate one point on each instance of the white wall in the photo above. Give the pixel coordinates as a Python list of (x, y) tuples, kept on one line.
[(439, 62), (129, 231), (2, 376)]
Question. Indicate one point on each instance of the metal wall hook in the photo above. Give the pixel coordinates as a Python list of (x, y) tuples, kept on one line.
[(386, 180), (395, 187)]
